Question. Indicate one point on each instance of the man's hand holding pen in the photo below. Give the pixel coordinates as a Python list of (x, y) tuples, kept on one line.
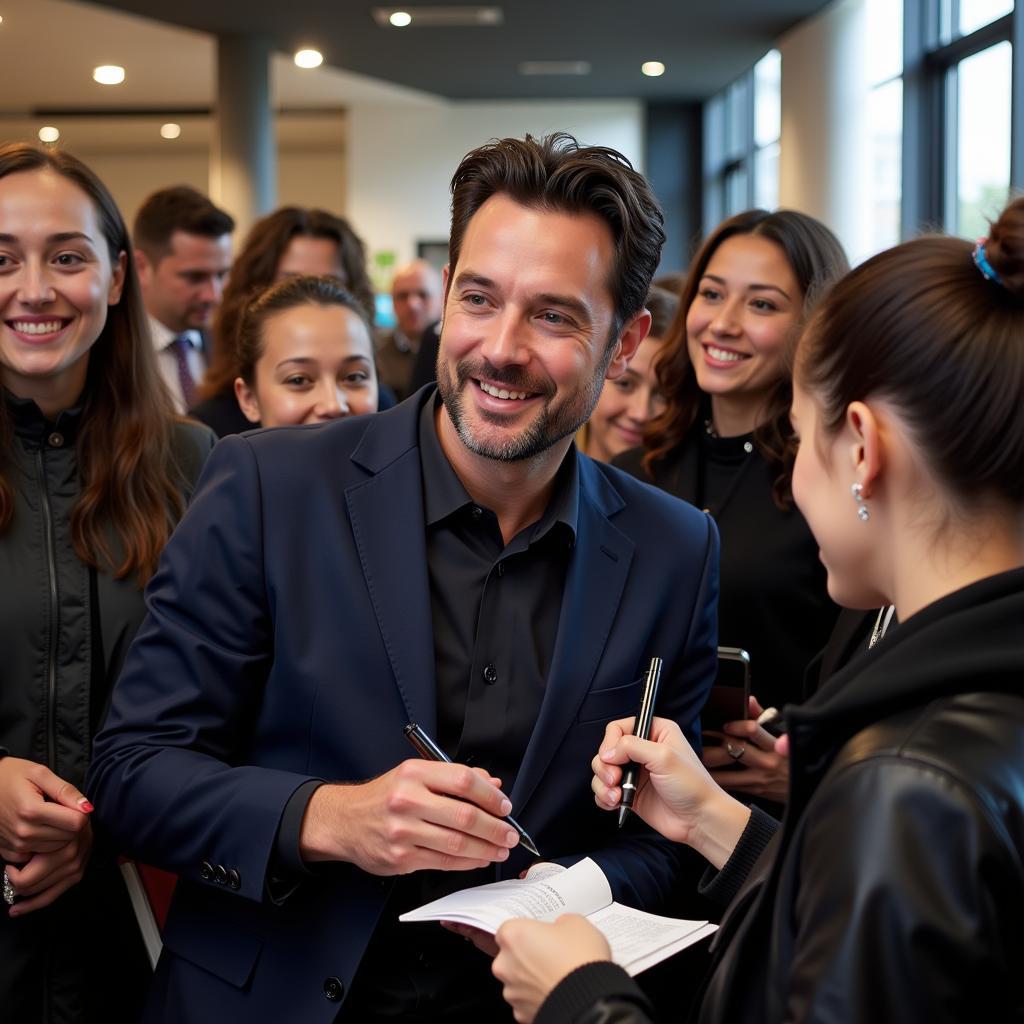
[(420, 815)]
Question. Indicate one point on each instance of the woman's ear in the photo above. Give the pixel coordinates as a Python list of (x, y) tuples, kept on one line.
[(866, 445), (247, 401), (118, 271)]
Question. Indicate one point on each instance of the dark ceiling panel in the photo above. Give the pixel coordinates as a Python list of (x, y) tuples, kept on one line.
[(703, 45)]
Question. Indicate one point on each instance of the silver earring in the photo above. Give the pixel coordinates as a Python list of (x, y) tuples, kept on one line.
[(857, 490)]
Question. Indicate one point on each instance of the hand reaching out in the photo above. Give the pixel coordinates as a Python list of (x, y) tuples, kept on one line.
[(675, 795), (533, 957), (763, 761)]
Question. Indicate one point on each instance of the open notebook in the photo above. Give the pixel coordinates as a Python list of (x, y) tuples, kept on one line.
[(638, 940)]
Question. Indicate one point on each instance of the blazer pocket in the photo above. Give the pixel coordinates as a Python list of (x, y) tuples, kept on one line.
[(608, 704), (209, 937)]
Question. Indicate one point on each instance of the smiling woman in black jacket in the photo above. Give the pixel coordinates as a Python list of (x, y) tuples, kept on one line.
[(892, 892), (94, 470)]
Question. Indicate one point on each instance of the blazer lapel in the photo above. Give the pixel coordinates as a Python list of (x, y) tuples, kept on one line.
[(593, 590), (387, 526)]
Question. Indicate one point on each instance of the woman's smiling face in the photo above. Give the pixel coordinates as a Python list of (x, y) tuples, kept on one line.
[(56, 283), (740, 322)]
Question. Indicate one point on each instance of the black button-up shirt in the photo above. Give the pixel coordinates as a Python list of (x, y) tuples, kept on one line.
[(495, 609)]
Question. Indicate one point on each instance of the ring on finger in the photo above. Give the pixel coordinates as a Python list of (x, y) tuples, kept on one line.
[(735, 751), (8, 890)]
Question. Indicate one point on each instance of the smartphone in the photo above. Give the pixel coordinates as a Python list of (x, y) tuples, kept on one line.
[(728, 700)]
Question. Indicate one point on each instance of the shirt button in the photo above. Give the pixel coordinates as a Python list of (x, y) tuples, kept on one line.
[(476, 511), (206, 871), (234, 879), (220, 874), (501, 568), (490, 674), (55, 440), (333, 989)]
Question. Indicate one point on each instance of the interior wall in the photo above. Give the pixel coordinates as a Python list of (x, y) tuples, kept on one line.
[(385, 166), (400, 159), (824, 98)]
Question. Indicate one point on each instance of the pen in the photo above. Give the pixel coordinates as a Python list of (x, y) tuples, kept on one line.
[(428, 749), (641, 729)]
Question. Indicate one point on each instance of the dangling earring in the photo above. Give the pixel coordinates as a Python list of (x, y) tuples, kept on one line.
[(857, 490)]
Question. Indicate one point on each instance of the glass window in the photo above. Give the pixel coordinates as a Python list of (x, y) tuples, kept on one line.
[(973, 14), (766, 177), (737, 188), (737, 124), (983, 140), (885, 151), (768, 99), (885, 30)]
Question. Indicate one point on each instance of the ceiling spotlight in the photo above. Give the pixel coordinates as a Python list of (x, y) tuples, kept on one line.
[(309, 58), (48, 134), (652, 68), (170, 130), (108, 74), (429, 15)]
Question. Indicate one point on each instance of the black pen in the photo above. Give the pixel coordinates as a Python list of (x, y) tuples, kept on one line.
[(428, 749), (641, 729)]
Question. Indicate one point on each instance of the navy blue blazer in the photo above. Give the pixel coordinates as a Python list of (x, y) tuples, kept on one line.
[(289, 639)]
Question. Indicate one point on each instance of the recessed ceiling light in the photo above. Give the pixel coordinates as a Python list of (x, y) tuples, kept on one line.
[(48, 134), (554, 67), (439, 16), (652, 68), (309, 58), (108, 74), (170, 130)]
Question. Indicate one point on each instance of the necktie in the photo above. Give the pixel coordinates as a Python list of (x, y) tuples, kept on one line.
[(179, 348)]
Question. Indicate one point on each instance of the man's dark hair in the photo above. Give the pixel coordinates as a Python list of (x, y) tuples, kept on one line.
[(179, 208), (557, 173)]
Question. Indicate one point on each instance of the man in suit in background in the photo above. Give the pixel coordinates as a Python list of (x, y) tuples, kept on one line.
[(416, 297), (452, 562), (183, 254)]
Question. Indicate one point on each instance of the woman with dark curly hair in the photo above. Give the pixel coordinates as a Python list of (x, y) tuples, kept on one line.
[(290, 241), (724, 442)]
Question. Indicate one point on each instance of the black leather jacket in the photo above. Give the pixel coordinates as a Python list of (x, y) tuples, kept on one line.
[(64, 630), (894, 889)]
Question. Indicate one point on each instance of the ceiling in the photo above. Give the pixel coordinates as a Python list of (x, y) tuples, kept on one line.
[(704, 44)]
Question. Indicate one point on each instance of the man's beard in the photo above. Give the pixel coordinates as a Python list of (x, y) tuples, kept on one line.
[(549, 426)]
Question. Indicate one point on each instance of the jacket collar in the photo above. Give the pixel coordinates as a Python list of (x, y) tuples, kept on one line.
[(31, 425), (961, 643)]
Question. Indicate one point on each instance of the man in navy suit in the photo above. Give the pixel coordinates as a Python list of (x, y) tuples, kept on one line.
[(452, 562)]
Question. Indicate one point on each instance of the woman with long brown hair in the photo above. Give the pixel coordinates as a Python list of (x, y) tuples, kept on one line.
[(94, 472), (724, 443), (290, 241)]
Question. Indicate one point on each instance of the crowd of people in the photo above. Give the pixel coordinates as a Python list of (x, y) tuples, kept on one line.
[(211, 648)]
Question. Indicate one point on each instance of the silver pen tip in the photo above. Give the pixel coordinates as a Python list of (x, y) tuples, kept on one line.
[(526, 842)]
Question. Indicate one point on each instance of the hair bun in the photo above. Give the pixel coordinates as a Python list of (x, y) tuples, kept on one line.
[(1004, 248)]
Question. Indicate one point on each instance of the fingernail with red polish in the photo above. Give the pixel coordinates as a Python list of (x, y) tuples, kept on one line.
[(86, 806)]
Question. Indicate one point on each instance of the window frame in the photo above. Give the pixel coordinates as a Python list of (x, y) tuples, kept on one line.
[(930, 130)]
